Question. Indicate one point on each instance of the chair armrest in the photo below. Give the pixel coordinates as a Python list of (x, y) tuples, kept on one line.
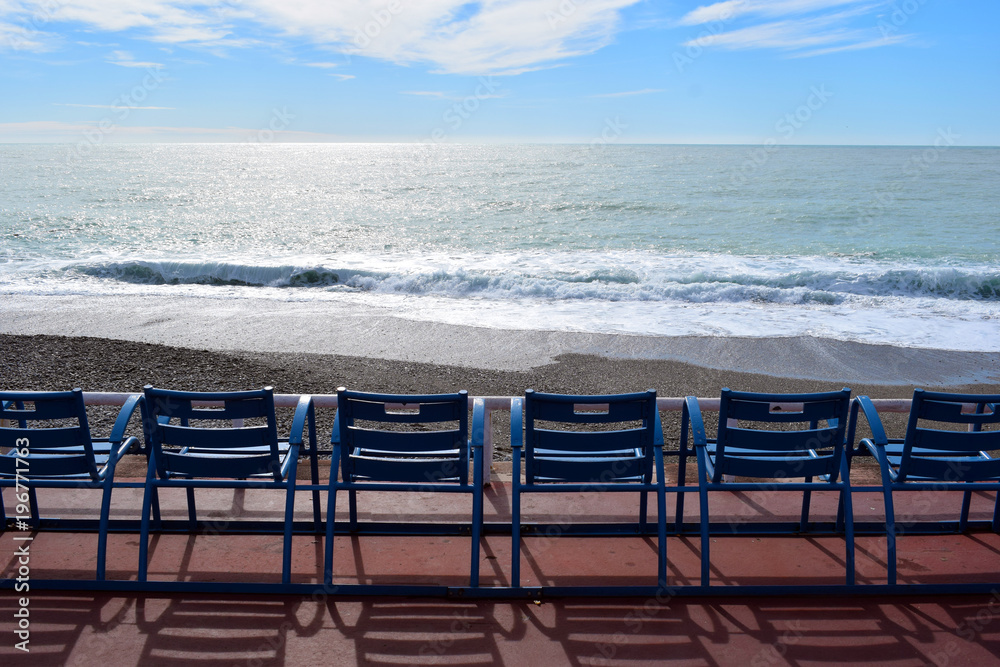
[(691, 418), (691, 412), (516, 423), (864, 405), (303, 411), (657, 431), (478, 423), (124, 416)]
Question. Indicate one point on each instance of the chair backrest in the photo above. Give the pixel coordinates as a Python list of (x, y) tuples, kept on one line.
[(174, 423), (583, 439), (979, 414), (421, 439), (53, 422), (810, 444)]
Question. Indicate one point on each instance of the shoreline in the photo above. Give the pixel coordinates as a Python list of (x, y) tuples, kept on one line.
[(245, 327)]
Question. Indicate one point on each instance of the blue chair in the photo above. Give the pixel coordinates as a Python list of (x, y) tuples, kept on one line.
[(611, 443), (185, 451), (51, 447), (402, 442), (744, 447), (932, 456)]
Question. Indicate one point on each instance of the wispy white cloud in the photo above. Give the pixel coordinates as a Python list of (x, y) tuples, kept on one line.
[(63, 132), (20, 38), (630, 93), (804, 28), (126, 59), (732, 9), (112, 106), (881, 41), (425, 93), (342, 77), (454, 36), (436, 94), (322, 65)]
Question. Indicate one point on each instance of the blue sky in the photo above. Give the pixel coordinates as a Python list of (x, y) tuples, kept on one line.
[(625, 71)]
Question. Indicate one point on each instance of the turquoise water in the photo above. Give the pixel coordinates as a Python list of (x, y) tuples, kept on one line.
[(897, 245)]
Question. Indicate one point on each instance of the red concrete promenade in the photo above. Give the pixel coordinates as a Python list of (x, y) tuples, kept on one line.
[(112, 629)]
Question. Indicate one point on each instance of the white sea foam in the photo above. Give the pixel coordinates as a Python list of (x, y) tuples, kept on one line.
[(856, 299)]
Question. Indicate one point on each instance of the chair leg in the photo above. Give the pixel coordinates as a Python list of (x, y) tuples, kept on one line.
[(890, 534), (477, 519), (36, 517), (286, 554), (331, 514), (144, 531), (102, 531), (996, 514), (846, 502), (661, 526), (703, 512), (806, 502), (150, 497), (352, 501), (849, 539), (963, 522), (192, 513), (515, 522), (156, 506), (839, 525), (643, 508)]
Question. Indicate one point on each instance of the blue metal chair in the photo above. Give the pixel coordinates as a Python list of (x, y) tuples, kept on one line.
[(185, 451), (932, 456), (402, 442), (744, 448), (51, 447), (568, 454)]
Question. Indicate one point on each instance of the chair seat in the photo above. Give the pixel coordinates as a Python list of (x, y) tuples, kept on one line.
[(100, 460), (235, 454), (894, 456)]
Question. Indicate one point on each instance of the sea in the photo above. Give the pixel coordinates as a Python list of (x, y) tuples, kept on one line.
[(884, 245)]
